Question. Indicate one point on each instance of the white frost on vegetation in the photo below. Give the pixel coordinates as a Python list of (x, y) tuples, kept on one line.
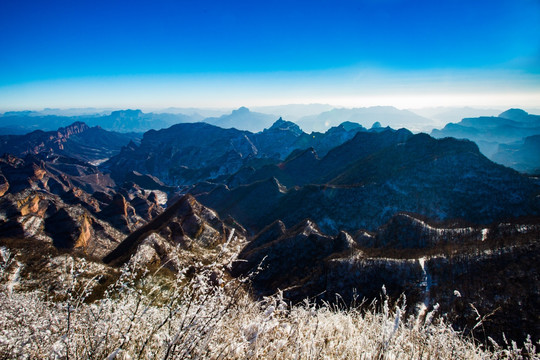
[(210, 316), (484, 234)]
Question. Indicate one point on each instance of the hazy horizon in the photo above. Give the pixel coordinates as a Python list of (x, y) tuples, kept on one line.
[(258, 108)]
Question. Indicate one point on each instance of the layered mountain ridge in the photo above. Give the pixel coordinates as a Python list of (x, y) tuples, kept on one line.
[(78, 141), (185, 154), (312, 215), (507, 138), (440, 179)]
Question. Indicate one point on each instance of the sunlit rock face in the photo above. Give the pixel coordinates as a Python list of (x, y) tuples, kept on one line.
[(48, 218), (70, 204), (185, 227)]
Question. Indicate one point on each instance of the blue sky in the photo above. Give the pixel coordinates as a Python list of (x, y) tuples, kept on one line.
[(232, 53)]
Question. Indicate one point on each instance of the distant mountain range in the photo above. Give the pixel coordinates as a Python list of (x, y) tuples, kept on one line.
[(293, 112), (520, 155), (385, 115), (501, 138), (119, 121), (444, 115), (243, 119), (321, 119), (497, 135)]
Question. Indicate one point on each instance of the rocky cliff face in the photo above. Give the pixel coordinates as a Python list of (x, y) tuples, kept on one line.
[(187, 227), (70, 204), (284, 133), (43, 216), (56, 174)]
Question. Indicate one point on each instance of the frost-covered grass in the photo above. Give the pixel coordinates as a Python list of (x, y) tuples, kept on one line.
[(202, 313)]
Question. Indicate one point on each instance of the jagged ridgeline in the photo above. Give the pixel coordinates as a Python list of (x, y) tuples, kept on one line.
[(325, 216)]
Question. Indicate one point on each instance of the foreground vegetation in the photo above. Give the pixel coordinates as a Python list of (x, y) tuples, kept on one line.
[(203, 313)]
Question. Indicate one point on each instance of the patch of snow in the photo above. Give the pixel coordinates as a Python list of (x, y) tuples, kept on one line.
[(5, 253), (422, 262), (484, 234), (98, 162), (229, 239), (31, 225), (15, 278), (426, 284), (309, 229), (523, 229), (160, 195)]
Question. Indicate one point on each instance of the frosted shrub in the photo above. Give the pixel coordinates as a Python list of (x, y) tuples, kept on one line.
[(5, 261), (201, 313)]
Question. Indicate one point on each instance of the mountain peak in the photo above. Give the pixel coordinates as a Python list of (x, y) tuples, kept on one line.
[(127, 113), (349, 125), (514, 114), (75, 128), (281, 124), (242, 119), (241, 110)]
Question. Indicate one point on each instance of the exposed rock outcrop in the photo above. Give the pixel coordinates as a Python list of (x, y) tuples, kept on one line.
[(77, 140), (48, 218), (488, 267), (303, 246), (4, 185), (185, 224)]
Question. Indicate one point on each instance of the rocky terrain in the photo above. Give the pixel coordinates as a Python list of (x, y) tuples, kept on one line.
[(70, 203), (426, 262), (185, 225), (400, 172), (78, 141), (186, 154), (328, 216)]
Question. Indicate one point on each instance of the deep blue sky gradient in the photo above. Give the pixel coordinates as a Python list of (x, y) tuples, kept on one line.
[(58, 40)]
